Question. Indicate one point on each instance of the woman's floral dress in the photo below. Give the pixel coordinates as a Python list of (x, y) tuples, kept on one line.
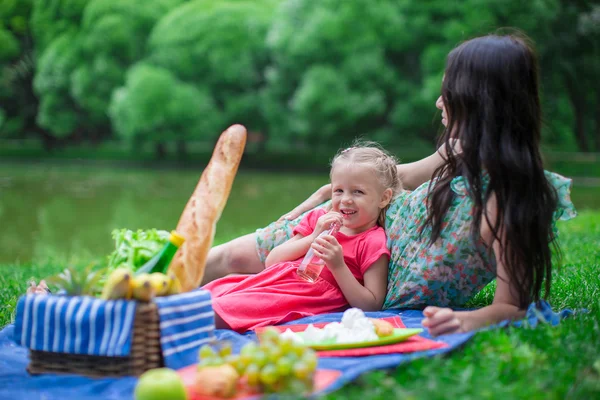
[(446, 273)]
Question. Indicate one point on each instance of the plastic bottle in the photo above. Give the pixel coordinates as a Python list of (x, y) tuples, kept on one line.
[(311, 266), (161, 261)]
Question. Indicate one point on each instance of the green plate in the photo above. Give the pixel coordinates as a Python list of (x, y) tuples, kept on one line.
[(399, 335)]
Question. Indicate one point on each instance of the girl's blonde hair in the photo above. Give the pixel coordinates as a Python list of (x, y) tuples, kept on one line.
[(372, 155)]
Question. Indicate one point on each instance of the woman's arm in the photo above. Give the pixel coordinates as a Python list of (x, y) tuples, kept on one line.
[(369, 297), (321, 195), (413, 175), (504, 306)]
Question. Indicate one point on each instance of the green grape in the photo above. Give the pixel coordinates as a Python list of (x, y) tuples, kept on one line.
[(253, 374), (310, 359), (245, 359), (268, 374), (249, 349), (206, 351), (285, 365), (270, 335), (274, 353), (299, 349), (260, 358), (234, 361), (301, 370), (212, 361), (225, 349), (286, 345)]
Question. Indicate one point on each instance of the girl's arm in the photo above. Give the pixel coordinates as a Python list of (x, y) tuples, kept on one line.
[(504, 306), (290, 250), (369, 297), (297, 246)]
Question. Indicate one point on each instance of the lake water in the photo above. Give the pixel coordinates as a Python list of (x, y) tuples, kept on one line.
[(70, 211)]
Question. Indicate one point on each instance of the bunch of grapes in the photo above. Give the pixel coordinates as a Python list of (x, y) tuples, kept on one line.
[(274, 365)]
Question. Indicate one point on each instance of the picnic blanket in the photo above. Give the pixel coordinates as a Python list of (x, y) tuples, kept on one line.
[(16, 383)]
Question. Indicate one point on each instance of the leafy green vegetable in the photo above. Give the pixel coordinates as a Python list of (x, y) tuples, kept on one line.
[(134, 248)]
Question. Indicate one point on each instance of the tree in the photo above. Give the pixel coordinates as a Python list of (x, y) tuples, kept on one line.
[(58, 112), (218, 48), (112, 38), (573, 56), (55, 28), (155, 106), (331, 73), (16, 69)]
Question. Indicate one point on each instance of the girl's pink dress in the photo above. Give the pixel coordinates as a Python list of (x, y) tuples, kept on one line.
[(277, 295)]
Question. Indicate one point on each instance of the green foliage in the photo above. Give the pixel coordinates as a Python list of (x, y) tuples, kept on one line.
[(295, 71), (331, 73), (113, 35), (155, 106), (52, 18), (52, 83), (77, 281), (9, 45), (217, 47)]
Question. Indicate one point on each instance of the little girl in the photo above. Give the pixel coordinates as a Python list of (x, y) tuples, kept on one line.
[(364, 180)]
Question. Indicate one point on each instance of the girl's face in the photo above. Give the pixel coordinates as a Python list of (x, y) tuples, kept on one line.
[(440, 105), (358, 196)]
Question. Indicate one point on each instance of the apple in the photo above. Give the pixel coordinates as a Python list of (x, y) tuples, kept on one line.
[(160, 384)]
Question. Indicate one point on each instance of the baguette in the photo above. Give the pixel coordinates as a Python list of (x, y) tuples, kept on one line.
[(203, 210)]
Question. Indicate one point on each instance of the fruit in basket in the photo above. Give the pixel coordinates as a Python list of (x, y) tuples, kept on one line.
[(78, 282), (174, 285), (160, 384), (141, 288), (160, 283), (219, 380), (118, 285)]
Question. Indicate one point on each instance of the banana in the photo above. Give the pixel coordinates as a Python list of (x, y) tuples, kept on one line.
[(118, 285), (141, 288), (174, 285), (160, 283)]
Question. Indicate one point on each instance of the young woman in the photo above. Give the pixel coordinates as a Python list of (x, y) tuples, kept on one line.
[(488, 211)]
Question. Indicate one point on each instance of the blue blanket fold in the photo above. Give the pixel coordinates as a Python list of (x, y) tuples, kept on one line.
[(16, 383)]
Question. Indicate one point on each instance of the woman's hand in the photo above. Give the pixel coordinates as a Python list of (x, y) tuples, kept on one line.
[(328, 249), (318, 197), (441, 321)]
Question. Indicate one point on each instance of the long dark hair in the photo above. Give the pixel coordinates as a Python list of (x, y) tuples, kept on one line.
[(490, 91)]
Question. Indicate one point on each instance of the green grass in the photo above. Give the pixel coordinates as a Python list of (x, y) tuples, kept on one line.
[(561, 362)]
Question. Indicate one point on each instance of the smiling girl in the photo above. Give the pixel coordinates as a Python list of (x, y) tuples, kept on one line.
[(364, 180)]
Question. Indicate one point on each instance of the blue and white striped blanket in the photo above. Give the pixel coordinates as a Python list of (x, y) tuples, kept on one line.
[(85, 325)]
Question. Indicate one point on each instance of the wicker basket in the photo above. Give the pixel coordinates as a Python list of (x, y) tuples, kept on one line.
[(145, 352)]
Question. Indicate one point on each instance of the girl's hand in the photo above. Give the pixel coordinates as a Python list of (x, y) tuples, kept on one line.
[(325, 221), (328, 249), (441, 321)]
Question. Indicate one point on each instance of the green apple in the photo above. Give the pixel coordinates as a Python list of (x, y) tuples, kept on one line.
[(160, 384)]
